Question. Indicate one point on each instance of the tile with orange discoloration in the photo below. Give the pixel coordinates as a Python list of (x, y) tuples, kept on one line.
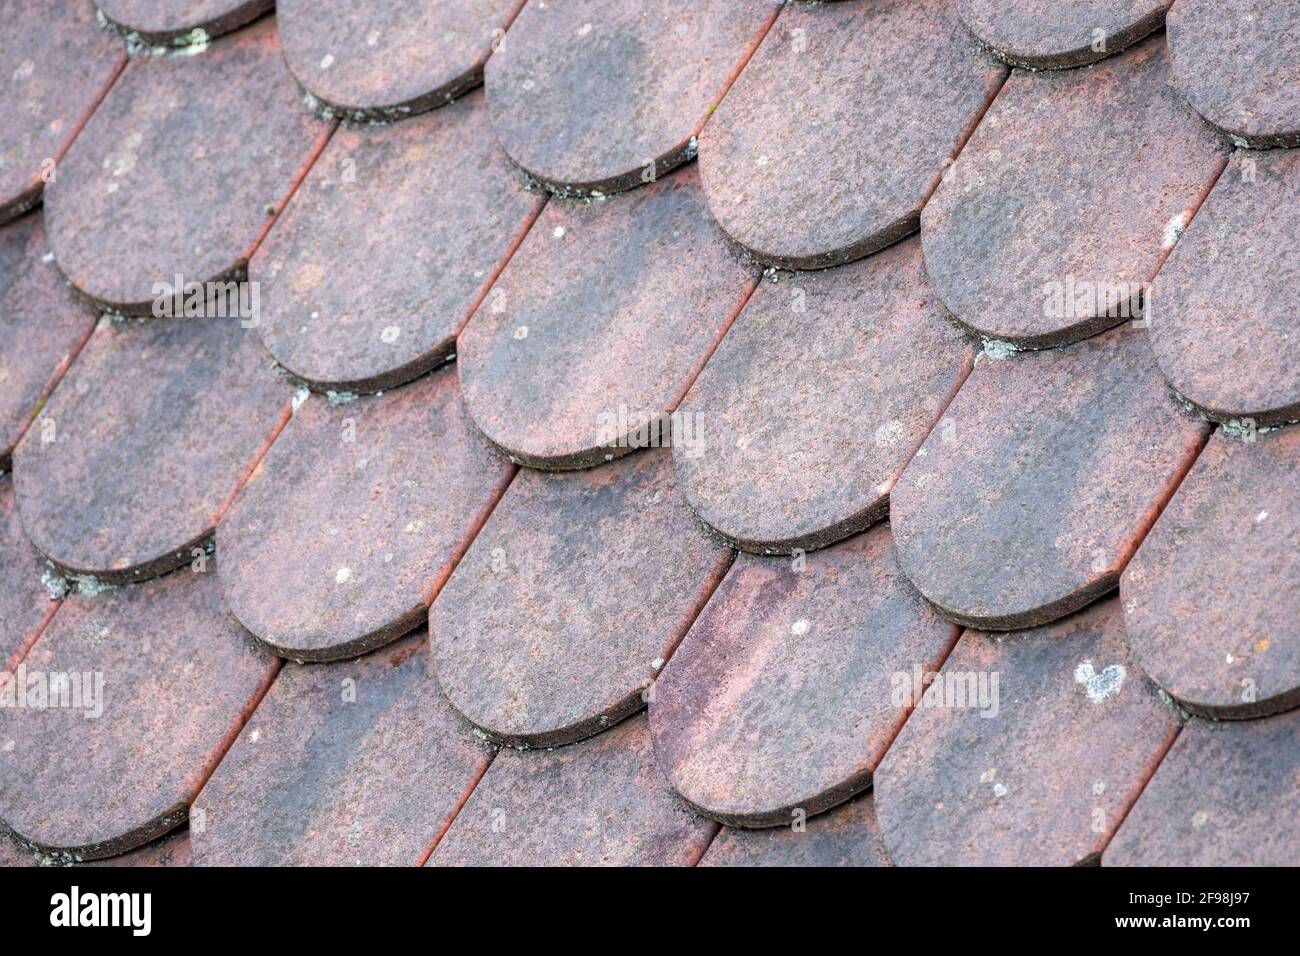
[(1212, 598), (816, 399), (391, 241), (846, 836), (574, 593), (180, 22), (357, 763), (1030, 495), (150, 192), (602, 802), (840, 126), (354, 519), (782, 698), (1049, 35), (25, 602), (1044, 232), (389, 59), (603, 95), (599, 323), (143, 686), (56, 64), (144, 442), (1026, 750)]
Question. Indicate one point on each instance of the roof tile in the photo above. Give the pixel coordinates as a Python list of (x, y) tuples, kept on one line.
[(25, 604), (847, 836), (1050, 35), (179, 22)]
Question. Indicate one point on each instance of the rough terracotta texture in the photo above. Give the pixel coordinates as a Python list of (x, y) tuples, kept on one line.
[(1212, 598), (1238, 64), (1050, 35), (354, 519), (171, 850), (833, 137), (356, 763), (24, 601), (1227, 794), (604, 95), (389, 244), (178, 678), (387, 59), (781, 700), (56, 64), (1224, 306), (599, 323), (1076, 729), (42, 326), (816, 399), (1044, 232), (143, 444), (1039, 481), (148, 192), (572, 595), (847, 836), (599, 803), (180, 21)]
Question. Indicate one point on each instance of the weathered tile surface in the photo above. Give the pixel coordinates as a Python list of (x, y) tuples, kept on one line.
[(179, 676), (389, 244), (356, 763), (1223, 324), (179, 22), (1050, 35), (1212, 598), (847, 836), (603, 95), (1075, 731), (1239, 65), (780, 701), (600, 321), (56, 64), (816, 399), (386, 59), (1044, 232), (354, 519), (576, 589), (1227, 794), (171, 850), (144, 442), (840, 126), (1033, 490), (602, 802), (148, 192), (42, 326), (24, 601)]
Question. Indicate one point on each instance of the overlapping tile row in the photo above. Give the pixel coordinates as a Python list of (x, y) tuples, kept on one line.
[(1045, 35)]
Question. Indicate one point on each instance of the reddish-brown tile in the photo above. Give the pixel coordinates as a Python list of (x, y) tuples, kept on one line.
[(1027, 749), (1033, 490), (1044, 232), (1223, 317), (1227, 794), (56, 64), (599, 323), (781, 699), (575, 591), (436, 203), (180, 22), (602, 95), (800, 446), (171, 676), (839, 128), (1212, 598), (148, 192), (356, 516), (13, 854), (1239, 66), (357, 763), (25, 603), (1050, 35), (847, 836), (172, 850), (144, 442), (599, 803), (387, 59), (42, 326)]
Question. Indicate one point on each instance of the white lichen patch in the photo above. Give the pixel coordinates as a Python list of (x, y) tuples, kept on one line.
[(997, 350), (1100, 685)]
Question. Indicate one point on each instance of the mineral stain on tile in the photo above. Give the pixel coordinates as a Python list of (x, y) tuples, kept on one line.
[(178, 22), (355, 518), (846, 836), (1049, 35), (837, 131), (816, 399), (781, 700)]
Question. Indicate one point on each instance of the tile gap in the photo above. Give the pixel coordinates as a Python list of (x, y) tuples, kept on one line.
[(464, 799)]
